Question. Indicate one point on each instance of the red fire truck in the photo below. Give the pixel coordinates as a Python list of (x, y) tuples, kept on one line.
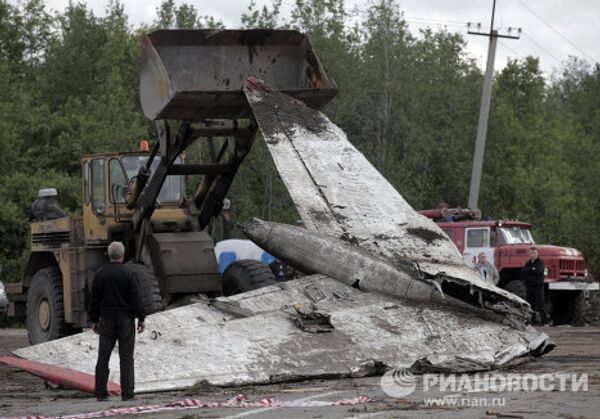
[(506, 244)]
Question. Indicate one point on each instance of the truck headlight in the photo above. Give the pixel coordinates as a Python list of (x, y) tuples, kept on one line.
[(545, 271), (585, 272)]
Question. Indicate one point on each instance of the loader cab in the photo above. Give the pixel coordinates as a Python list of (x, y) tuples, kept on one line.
[(106, 179)]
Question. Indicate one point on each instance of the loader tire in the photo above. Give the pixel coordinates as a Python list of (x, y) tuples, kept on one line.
[(518, 288), (149, 289), (45, 308), (577, 309), (246, 275)]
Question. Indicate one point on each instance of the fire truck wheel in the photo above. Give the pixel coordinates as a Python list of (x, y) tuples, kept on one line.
[(45, 310), (517, 287), (246, 275), (149, 289), (577, 308)]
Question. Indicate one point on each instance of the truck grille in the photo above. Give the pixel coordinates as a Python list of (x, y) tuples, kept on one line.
[(50, 239), (571, 266)]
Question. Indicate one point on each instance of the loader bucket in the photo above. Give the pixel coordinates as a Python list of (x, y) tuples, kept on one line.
[(198, 74)]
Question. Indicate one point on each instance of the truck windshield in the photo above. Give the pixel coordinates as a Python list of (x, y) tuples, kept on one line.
[(172, 189), (515, 235)]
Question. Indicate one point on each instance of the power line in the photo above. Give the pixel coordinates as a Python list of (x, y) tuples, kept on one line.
[(434, 20), (533, 41), (509, 48), (425, 23), (556, 31)]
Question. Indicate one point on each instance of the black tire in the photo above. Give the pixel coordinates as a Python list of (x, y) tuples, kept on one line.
[(246, 275), (577, 309), (149, 289), (517, 287), (45, 308)]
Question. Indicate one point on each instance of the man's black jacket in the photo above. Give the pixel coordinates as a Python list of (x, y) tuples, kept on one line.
[(533, 272), (115, 292)]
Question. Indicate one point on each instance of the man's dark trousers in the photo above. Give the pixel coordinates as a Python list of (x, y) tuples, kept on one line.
[(119, 328), (535, 297)]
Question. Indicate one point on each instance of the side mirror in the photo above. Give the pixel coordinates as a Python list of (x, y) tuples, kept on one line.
[(100, 209)]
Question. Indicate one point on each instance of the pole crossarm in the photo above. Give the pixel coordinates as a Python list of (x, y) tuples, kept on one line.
[(495, 35)]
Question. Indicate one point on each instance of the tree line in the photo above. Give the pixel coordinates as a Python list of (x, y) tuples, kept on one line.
[(408, 100)]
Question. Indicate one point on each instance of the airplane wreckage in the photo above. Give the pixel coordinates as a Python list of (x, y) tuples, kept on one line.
[(384, 286)]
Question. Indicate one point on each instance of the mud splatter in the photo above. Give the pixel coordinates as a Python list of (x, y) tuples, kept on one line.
[(381, 236), (201, 387), (342, 219), (320, 216), (349, 239), (425, 234), (404, 263), (282, 113), (385, 325)]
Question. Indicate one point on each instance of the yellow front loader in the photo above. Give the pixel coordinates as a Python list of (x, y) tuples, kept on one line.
[(191, 86)]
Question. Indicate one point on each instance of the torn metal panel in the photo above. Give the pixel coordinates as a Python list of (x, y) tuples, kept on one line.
[(364, 204), (367, 211), (312, 320), (313, 252), (318, 253), (199, 342)]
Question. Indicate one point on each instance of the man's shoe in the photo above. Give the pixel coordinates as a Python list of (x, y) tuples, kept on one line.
[(127, 398), (102, 398)]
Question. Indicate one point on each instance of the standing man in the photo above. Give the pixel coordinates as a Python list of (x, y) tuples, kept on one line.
[(533, 276), (115, 303), (487, 270)]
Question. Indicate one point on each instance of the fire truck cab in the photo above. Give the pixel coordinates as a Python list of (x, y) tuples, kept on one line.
[(506, 244)]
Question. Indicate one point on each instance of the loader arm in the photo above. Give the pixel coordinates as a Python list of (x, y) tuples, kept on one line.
[(147, 194), (195, 77), (220, 174)]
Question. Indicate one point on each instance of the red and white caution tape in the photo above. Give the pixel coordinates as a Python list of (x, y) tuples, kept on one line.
[(238, 401)]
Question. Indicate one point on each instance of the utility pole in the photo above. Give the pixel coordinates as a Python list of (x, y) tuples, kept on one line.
[(484, 109)]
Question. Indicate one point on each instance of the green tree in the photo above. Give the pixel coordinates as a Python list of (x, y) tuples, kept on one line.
[(262, 18), (184, 16), (69, 86)]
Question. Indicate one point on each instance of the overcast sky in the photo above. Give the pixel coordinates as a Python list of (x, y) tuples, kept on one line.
[(552, 29)]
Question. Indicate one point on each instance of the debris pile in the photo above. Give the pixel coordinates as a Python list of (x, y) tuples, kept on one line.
[(201, 342), (385, 285)]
